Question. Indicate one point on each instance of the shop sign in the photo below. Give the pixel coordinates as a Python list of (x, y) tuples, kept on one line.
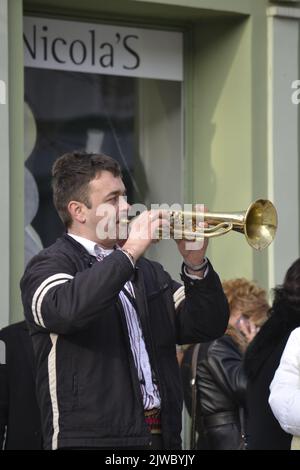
[(102, 48)]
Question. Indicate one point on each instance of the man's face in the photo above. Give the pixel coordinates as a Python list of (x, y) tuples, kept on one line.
[(108, 203)]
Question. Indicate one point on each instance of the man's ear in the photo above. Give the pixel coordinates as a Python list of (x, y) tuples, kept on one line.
[(77, 211)]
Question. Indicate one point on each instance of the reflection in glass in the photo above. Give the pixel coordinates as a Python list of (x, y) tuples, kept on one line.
[(78, 111)]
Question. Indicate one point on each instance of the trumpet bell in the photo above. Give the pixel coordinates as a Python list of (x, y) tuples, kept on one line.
[(260, 224)]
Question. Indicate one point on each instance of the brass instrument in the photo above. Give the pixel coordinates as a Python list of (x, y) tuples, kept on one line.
[(258, 224)]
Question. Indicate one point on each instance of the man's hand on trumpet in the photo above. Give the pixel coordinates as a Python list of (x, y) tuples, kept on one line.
[(151, 226), (193, 252), (145, 230)]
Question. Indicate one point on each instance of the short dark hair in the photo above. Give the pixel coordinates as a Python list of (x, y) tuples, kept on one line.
[(71, 174), (289, 291)]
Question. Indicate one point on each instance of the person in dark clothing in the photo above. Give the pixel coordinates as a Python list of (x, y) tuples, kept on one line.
[(20, 426), (105, 321), (263, 358), (220, 379)]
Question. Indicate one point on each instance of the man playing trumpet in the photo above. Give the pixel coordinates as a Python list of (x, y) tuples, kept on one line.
[(105, 320)]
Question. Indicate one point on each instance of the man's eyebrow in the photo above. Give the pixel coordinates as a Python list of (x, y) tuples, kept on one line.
[(116, 193)]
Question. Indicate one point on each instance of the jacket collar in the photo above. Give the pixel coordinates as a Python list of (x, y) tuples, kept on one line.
[(75, 244)]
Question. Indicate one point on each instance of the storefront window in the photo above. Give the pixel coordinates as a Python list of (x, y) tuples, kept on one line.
[(136, 120), (77, 111)]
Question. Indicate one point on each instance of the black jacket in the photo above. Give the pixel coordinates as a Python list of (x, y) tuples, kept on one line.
[(221, 393), (19, 413), (261, 361), (87, 383)]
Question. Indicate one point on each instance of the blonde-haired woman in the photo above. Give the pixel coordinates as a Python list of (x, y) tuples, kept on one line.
[(220, 380)]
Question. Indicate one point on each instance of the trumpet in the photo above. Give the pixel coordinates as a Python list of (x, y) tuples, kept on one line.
[(258, 224)]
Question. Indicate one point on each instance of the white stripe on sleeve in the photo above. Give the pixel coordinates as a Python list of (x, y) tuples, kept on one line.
[(179, 296), (42, 291), (52, 374)]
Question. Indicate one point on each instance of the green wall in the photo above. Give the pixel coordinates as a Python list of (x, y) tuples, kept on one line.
[(221, 154), (227, 153), (4, 166), (16, 139), (163, 9)]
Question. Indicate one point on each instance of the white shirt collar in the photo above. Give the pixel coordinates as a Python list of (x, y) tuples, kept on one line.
[(91, 247)]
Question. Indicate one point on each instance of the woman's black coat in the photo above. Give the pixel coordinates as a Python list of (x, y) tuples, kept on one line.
[(261, 361)]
